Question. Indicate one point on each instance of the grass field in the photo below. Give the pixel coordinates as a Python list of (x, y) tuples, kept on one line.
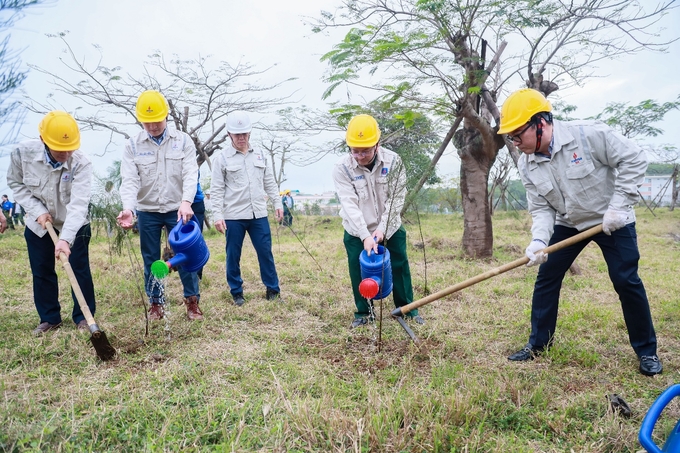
[(292, 377)]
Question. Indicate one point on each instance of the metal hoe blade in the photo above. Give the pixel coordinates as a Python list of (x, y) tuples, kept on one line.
[(402, 321)]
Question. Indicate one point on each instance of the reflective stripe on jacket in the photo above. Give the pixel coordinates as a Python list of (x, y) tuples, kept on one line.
[(62, 192), (157, 178), (592, 167), (241, 184), (371, 200)]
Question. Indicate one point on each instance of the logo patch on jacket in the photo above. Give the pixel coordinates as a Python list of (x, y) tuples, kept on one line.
[(358, 178), (384, 171), (576, 159), (66, 177)]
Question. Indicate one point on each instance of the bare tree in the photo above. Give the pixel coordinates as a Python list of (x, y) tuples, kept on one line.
[(200, 93), (450, 59)]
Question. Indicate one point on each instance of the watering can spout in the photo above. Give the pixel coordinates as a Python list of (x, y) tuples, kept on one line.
[(369, 287), (177, 260), (191, 251)]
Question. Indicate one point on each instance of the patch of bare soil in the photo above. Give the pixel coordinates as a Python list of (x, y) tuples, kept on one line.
[(361, 353)]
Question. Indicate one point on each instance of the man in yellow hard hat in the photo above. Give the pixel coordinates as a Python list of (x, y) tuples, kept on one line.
[(579, 174), (51, 179), (241, 182), (160, 177), (288, 205), (371, 184)]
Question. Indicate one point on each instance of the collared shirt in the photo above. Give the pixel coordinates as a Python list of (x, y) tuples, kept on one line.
[(63, 192), (49, 160), (592, 168), (159, 140), (371, 199), (240, 184), (157, 178)]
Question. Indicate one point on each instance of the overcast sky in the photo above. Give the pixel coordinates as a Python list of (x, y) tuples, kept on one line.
[(263, 33)]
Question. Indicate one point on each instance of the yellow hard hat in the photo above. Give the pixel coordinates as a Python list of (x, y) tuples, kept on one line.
[(287, 191), (59, 131), (519, 107), (362, 132), (152, 107)]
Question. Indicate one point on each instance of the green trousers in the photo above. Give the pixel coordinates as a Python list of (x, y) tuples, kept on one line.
[(402, 291)]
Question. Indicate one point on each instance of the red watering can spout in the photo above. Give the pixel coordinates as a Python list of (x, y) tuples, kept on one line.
[(369, 288)]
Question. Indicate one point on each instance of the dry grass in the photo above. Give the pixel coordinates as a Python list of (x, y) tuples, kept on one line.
[(291, 376)]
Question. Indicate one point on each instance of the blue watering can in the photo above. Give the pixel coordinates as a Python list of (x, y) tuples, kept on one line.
[(376, 272), (191, 251), (673, 442)]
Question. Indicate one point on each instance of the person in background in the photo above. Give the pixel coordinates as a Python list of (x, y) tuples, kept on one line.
[(288, 205), (241, 179), (579, 174), (7, 211), (18, 214), (160, 176), (371, 184), (207, 203), (51, 178)]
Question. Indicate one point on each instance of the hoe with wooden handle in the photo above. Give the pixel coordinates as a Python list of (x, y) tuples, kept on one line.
[(399, 312), (98, 338)]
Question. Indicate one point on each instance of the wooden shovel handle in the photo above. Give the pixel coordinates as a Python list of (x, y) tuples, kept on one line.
[(72, 277), (493, 272)]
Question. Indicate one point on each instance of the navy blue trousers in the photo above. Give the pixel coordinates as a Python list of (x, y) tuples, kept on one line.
[(261, 237), (45, 283), (150, 225), (621, 253)]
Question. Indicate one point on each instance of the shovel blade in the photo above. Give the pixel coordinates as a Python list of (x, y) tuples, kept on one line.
[(102, 346)]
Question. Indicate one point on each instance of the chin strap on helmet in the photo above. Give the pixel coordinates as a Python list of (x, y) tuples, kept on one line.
[(539, 134), (547, 116)]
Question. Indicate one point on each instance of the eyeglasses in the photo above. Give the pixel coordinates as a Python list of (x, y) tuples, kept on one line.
[(517, 138), (364, 153)]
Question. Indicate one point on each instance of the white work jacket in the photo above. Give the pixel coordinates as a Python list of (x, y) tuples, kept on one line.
[(240, 184), (371, 200), (157, 178), (63, 192), (592, 167)]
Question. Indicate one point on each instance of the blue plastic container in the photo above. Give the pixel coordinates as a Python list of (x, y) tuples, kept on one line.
[(378, 267), (191, 251), (672, 444)]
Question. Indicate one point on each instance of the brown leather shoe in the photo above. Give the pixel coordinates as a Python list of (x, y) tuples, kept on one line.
[(45, 327), (156, 312), (82, 326), (193, 312)]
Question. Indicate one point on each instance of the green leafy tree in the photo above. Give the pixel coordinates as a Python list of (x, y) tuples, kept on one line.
[(449, 59), (637, 120), (408, 133), (12, 75)]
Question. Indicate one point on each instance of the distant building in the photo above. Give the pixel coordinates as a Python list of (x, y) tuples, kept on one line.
[(657, 189), (323, 204)]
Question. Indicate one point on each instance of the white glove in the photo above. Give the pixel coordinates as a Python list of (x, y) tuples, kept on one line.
[(533, 252), (614, 220)]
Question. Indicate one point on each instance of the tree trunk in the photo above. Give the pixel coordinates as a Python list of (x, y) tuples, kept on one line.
[(674, 193), (474, 177)]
